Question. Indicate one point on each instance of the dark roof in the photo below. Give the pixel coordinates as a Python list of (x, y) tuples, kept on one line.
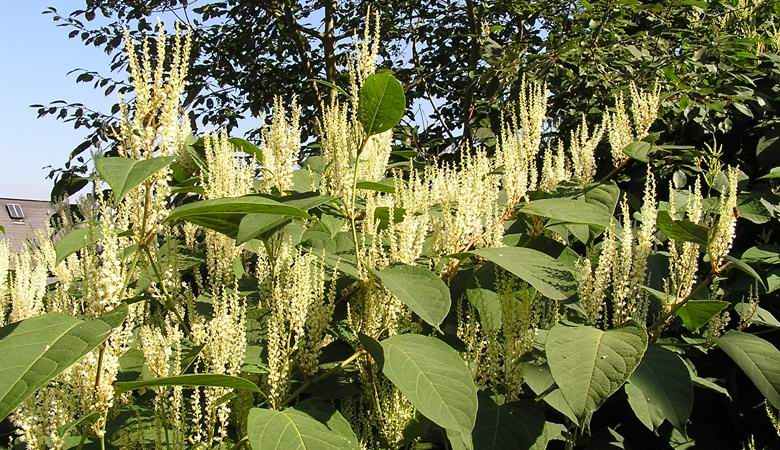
[(36, 217)]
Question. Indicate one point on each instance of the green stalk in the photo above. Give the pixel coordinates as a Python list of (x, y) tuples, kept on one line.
[(352, 212)]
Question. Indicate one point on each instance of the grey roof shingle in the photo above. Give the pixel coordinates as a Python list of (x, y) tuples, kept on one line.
[(36, 217)]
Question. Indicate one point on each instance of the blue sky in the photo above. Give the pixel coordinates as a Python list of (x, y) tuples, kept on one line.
[(37, 56)]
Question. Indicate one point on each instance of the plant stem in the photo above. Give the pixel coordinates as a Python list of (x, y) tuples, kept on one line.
[(353, 201), (322, 376)]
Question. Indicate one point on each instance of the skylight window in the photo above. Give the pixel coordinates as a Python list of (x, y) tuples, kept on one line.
[(15, 212)]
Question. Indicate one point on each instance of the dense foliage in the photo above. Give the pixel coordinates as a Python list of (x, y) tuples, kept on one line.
[(583, 282)]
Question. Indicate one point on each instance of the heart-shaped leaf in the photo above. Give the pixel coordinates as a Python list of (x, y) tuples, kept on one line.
[(589, 364)]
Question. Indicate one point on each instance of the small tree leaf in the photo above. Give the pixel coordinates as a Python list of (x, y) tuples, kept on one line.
[(434, 378), (123, 174), (696, 313), (382, 103), (543, 272), (35, 350), (665, 391), (419, 289), (281, 430), (759, 359), (192, 379), (589, 364)]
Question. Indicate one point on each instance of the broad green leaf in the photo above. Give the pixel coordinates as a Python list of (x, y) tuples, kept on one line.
[(326, 414), (123, 174), (247, 147), (682, 230), (75, 240), (603, 195), (638, 150), (339, 262), (742, 266), (696, 313), (515, 426), (263, 224), (762, 254), (539, 379), (589, 364), (35, 350), (193, 379), (434, 378), (290, 429), (224, 214), (569, 211), (382, 103), (661, 388), (759, 359), (419, 289), (773, 173), (548, 275), (488, 306), (387, 186)]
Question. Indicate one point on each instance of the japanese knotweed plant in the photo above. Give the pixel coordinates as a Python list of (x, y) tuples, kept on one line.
[(213, 293)]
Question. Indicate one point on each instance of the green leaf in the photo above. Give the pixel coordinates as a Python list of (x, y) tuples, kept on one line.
[(742, 266), (434, 378), (383, 186), (75, 240), (290, 429), (193, 379), (382, 103), (539, 379), (35, 350), (759, 359), (419, 289), (696, 313), (548, 275), (773, 174), (569, 211), (247, 147), (506, 426), (123, 174), (488, 306), (638, 150), (661, 388), (326, 414), (225, 214), (589, 364), (682, 230), (263, 224)]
